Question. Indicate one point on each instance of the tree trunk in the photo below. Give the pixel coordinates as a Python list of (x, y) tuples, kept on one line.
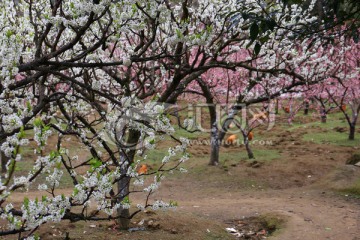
[(227, 123), (124, 183), (123, 188), (323, 119), (215, 145), (306, 108), (277, 106), (214, 135), (4, 160), (352, 132), (220, 134), (323, 115), (214, 138), (248, 149)]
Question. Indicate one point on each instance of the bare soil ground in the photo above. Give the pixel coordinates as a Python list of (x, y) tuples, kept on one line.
[(302, 193)]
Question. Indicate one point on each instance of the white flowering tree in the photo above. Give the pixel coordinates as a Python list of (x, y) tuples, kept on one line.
[(66, 70), (93, 71)]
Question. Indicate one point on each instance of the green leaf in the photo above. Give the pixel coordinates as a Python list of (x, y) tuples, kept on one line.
[(58, 165), (26, 203), (38, 122), (173, 203), (76, 191), (15, 151), (134, 8), (9, 33), (21, 134), (254, 31), (54, 154), (178, 33), (126, 200), (28, 106), (36, 236), (95, 163)]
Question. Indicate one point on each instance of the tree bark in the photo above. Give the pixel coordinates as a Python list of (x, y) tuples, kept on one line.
[(214, 138), (215, 145), (323, 115), (4, 160), (352, 132), (124, 183), (306, 108), (248, 149), (220, 134)]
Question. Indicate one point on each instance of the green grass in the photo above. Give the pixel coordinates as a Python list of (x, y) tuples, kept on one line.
[(179, 132), (332, 137), (329, 125), (334, 120), (274, 223), (23, 167), (260, 155), (218, 236), (353, 189)]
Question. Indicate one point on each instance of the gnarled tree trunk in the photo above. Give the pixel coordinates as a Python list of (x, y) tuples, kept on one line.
[(126, 159)]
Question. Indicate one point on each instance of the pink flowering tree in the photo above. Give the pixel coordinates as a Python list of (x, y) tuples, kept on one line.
[(340, 89), (279, 70), (324, 104), (343, 88)]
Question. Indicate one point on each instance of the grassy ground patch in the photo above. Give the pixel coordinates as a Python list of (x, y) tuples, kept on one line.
[(353, 189), (260, 155), (331, 137)]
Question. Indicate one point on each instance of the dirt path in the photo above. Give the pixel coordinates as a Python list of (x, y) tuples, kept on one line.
[(297, 186), (310, 213)]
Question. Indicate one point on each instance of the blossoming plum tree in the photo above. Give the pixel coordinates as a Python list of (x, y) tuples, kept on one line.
[(92, 71), (58, 68)]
